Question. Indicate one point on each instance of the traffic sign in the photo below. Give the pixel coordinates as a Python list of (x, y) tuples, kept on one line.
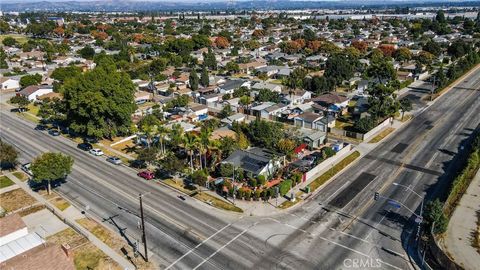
[(394, 204), (418, 220)]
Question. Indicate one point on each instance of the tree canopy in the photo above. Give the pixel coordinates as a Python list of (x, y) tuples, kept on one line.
[(99, 103), (51, 166)]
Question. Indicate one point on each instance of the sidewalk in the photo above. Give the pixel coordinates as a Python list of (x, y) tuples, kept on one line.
[(68, 218), (463, 227)]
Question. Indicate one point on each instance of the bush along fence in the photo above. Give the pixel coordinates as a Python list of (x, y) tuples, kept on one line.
[(437, 214)]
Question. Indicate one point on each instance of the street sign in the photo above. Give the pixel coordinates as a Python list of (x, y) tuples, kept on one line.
[(394, 204)]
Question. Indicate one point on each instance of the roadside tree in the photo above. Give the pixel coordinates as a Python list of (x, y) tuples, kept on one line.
[(50, 167)]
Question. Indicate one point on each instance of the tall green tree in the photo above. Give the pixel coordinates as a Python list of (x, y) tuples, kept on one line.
[(87, 52), (21, 102), (382, 101), (99, 103), (50, 167), (28, 80), (193, 80), (405, 105), (204, 79), (8, 155)]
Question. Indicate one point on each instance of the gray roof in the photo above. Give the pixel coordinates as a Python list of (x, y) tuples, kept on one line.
[(251, 160), (232, 84)]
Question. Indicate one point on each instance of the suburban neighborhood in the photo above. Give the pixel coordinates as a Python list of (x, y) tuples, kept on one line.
[(138, 138)]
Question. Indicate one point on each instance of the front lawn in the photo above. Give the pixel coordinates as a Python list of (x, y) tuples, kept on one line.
[(5, 181)]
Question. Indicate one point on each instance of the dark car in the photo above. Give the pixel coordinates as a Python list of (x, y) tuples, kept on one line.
[(40, 127), (139, 164), (181, 197), (85, 146), (148, 175), (54, 132)]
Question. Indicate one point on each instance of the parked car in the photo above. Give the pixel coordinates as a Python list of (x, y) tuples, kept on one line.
[(139, 164), (148, 175), (96, 152), (54, 132), (40, 127), (114, 160), (26, 168), (85, 146)]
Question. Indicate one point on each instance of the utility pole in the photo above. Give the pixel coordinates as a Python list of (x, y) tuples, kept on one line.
[(144, 238)]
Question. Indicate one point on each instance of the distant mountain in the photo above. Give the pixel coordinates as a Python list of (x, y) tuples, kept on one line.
[(208, 5)]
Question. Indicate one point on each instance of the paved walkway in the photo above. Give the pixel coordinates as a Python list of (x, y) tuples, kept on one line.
[(462, 227), (68, 218), (8, 189)]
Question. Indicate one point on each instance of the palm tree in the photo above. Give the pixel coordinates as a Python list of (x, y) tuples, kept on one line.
[(162, 132), (205, 134), (190, 142)]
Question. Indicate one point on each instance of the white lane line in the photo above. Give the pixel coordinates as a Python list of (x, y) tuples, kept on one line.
[(338, 190), (356, 251), (194, 248), (222, 247)]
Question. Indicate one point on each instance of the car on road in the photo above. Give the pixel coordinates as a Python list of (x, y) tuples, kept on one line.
[(41, 127), (54, 132), (96, 152), (114, 160), (85, 146), (26, 168), (181, 197), (148, 175)]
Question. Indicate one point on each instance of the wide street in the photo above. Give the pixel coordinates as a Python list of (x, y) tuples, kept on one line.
[(339, 224)]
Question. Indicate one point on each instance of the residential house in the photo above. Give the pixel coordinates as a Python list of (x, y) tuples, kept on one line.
[(20, 249), (265, 85), (238, 117), (9, 83), (257, 161), (34, 91), (330, 103), (311, 120), (231, 85)]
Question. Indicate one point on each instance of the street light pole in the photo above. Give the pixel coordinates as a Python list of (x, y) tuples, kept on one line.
[(414, 192), (144, 238)]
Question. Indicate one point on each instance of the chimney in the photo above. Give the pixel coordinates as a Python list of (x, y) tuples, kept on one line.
[(68, 251)]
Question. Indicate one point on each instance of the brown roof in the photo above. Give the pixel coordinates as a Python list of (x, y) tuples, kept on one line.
[(43, 257), (10, 224), (29, 90), (310, 117), (330, 98)]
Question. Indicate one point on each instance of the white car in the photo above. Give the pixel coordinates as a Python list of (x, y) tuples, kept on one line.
[(26, 168), (96, 152)]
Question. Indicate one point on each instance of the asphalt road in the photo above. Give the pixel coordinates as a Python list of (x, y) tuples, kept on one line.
[(341, 223)]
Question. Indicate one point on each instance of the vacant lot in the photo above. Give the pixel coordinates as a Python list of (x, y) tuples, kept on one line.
[(85, 254), (113, 240), (20, 38), (15, 199)]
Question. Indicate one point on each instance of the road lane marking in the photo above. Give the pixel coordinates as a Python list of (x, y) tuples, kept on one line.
[(222, 247), (194, 248)]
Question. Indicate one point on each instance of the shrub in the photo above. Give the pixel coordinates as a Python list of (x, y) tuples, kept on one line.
[(328, 152), (285, 186), (261, 179), (434, 213), (253, 182), (199, 177)]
